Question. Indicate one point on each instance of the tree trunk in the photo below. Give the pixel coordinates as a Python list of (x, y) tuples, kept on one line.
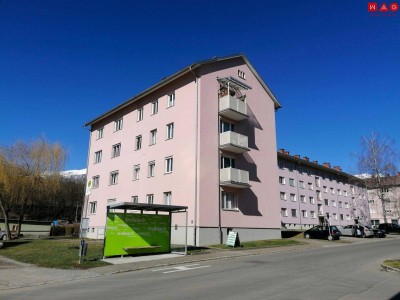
[(5, 213), (21, 217)]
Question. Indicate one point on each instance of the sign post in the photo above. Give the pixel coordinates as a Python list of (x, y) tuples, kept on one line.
[(233, 239)]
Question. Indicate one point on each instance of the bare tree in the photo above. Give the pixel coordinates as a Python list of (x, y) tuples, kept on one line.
[(378, 158), (28, 171)]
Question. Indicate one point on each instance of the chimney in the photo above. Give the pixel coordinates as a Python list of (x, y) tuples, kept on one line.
[(337, 168), (297, 156), (282, 150), (305, 158), (287, 152), (326, 164)]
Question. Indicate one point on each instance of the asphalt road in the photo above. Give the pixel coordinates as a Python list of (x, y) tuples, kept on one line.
[(340, 272)]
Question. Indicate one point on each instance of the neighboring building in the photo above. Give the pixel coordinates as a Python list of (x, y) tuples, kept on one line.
[(203, 138), (309, 191), (390, 193)]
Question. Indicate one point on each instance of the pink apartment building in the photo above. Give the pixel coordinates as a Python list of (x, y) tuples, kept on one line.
[(204, 138), (309, 191)]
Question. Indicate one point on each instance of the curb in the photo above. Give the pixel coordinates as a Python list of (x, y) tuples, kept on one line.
[(390, 269)]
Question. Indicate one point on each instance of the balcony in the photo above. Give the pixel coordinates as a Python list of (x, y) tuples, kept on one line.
[(233, 142), (234, 178), (233, 108)]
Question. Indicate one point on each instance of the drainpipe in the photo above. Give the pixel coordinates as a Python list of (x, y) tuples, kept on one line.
[(196, 159), (86, 198), (221, 239)]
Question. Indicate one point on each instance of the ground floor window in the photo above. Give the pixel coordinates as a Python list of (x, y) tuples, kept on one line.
[(92, 207), (229, 201)]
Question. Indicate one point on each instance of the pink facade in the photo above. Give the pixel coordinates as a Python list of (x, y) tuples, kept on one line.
[(309, 191), (207, 136)]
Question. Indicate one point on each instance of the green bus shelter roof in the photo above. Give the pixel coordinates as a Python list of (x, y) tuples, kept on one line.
[(147, 207)]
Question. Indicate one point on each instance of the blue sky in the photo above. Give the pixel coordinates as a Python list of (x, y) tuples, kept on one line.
[(333, 66)]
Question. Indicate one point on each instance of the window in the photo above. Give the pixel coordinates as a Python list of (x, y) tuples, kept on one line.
[(319, 196), (345, 193), (292, 182), (168, 164), (140, 114), (332, 191), (340, 204), (135, 199), (118, 125), (352, 190), (325, 189), (114, 177), (97, 156), (317, 182), (154, 107), (326, 202), (293, 197), (347, 217), (303, 198), (153, 137), (92, 207), (227, 162), (149, 198), (167, 198), (171, 100), (226, 126), (242, 74), (341, 217), (110, 202), (333, 203), (283, 195), (170, 131), (310, 186), (284, 212), (301, 184), (229, 201), (334, 216), (281, 180), (152, 167), (138, 142), (339, 192), (312, 214), (294, 213), (312, 201), (346, 205), (96, 181), (116, 150), (136, 172), (304, 213), (100, 133)]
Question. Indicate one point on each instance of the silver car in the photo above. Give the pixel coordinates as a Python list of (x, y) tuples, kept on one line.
[(351, 230)]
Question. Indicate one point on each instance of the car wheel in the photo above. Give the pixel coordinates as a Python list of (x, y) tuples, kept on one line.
[(307, 236), (330, 238), (4, 237)]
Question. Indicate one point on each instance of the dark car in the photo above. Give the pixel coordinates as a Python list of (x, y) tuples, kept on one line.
[(389, 227), (323, 232), (379, 233)]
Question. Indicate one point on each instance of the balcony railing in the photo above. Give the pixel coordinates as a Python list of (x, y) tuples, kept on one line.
[(233, 108), (234, 178), (233, 142)]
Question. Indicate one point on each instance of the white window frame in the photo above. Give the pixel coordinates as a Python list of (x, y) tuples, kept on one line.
[(150, 198), (313, 214), (303, 199), (282, 180), (284, 212), (293, 197), (292, 182), (170, 131), (301, 184), (92, 207), (152, 169), (304, 213), (118, 124), (167, 198), (97, 156), (282, 195), (311, 199), (135, 199), (140, 113), (154, 107), (100, 133), (95, 181), (116, 150), (169, 164), (171, 100), (136, 172), (138, 142), (114, 177), (229, 201), (153, 137), (294, 213)]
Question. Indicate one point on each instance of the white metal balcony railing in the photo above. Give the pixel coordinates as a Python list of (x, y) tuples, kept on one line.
[(234, 178), (233, 142), (233, 108)]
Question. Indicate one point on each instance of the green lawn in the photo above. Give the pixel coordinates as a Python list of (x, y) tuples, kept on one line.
[(394, 263), (261, 244), (60, 253)]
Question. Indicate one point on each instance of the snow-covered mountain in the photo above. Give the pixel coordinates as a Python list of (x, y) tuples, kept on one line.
[(73, 173)]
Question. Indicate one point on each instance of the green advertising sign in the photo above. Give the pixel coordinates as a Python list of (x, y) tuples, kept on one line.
[(136, 234)]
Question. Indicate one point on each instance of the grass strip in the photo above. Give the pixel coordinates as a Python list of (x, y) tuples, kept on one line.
[(394, 263), (261, 244), (59, 253)]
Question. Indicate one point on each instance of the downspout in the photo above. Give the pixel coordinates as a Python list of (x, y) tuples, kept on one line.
[(196, 159), (219, 170), (86, 197)]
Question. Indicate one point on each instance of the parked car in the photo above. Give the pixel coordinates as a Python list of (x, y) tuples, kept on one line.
[(379, 233), (322, 232), (3, 235), (389, 227), (351, 230)]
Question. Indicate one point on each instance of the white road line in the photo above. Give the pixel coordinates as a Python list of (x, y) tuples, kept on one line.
[(180, 268)]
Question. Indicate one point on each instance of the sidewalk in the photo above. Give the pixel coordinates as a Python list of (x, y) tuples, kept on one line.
[(16, 275)]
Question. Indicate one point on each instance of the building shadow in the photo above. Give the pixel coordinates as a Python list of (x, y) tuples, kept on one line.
[(248, 203)]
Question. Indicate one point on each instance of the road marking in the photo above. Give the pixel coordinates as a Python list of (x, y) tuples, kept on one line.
[(181, 268)]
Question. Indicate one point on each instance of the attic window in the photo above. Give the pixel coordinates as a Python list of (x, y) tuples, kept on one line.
[(242, 74)]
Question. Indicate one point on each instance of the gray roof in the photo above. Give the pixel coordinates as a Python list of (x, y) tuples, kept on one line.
[(179, 74)]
